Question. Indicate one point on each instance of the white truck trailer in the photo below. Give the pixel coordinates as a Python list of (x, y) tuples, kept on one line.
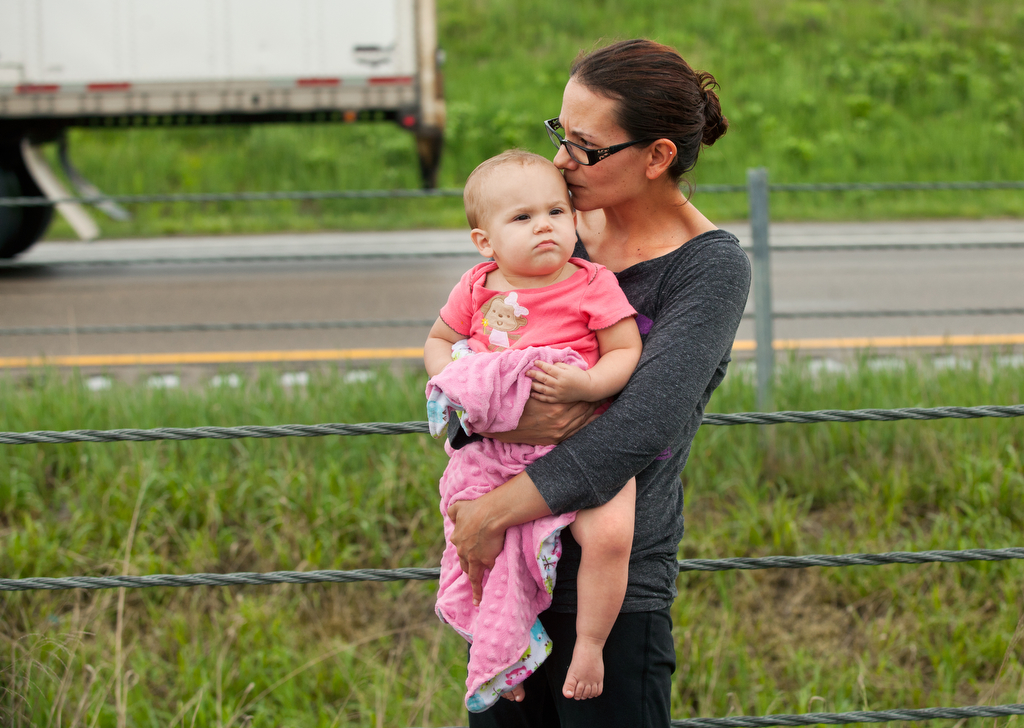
[(153, 63)]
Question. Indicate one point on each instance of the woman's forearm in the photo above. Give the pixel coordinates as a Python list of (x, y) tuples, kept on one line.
[(517, 501), (545, 423), (480, 524)]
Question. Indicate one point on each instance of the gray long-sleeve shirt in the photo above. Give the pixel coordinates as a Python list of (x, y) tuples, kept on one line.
[(689, 304)]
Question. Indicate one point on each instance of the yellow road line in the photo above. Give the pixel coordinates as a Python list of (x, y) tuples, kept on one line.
[(256, 357)]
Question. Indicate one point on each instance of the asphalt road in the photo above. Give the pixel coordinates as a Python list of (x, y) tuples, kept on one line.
[(65, 285)]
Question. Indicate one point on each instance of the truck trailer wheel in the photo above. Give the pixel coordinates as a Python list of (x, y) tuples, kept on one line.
[(429, 143), (19, 226)]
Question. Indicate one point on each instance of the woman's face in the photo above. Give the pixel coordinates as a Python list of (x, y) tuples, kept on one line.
[(589, 120)]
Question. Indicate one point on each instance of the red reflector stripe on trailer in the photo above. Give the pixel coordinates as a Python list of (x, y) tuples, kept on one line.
[(38, 88), (108, 87), (390, 80), (307, 82)]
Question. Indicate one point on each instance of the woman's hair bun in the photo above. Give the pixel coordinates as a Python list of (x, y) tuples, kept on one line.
[(715, 125), (658, 96)]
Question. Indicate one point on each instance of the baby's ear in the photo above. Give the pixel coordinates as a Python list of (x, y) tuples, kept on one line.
[(481, 241)]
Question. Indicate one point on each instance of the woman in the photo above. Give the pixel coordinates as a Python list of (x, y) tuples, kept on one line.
[(634, 118)]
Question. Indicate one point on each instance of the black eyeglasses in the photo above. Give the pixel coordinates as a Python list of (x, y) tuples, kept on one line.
[(591, 156)]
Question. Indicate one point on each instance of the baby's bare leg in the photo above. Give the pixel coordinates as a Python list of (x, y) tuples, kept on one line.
[(605, 536)]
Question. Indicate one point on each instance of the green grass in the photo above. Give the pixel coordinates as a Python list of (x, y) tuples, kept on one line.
[(816, 90), (373, 655)]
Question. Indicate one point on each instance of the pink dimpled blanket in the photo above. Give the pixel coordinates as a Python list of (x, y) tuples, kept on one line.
[(507, 639)]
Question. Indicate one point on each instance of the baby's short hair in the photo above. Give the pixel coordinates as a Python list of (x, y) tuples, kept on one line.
[(473, 197)]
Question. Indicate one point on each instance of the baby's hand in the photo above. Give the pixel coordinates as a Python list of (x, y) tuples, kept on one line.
[(559, 383)]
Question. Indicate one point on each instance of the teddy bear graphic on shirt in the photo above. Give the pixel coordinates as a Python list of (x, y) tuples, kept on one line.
[(502, 315)]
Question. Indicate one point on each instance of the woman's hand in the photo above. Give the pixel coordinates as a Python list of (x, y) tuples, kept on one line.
[(480, 525), (544, 423), (477, 542)]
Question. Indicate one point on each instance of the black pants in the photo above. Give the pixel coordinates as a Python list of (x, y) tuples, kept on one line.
[(639, 659)]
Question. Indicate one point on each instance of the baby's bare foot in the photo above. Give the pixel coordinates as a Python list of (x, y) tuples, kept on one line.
[(586, 671), (516, 694)]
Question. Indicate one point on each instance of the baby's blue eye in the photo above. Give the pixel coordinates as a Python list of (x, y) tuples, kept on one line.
[(557, 211), (521, 217)]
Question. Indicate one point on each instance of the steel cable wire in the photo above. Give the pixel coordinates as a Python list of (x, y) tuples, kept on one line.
[(198, 260), (396, 255), (231, 197), (906, 247), (858, 716), (401, 323), (893, 186), (425, 574), (457, 192), (893, 314), (200, 327), (408, 428)]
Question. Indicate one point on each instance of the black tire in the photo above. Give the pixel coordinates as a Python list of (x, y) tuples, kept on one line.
[(429, 143), (20, 227)]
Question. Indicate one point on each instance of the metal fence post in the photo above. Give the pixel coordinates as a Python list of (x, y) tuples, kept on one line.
[(757, 189)]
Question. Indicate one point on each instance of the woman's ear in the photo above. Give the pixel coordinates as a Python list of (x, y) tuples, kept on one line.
[(482, 242), (662, 154)]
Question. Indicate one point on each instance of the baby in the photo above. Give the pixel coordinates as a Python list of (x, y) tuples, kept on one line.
[(535, 294)]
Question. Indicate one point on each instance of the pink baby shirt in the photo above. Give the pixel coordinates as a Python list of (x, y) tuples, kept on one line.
[(562, 315)]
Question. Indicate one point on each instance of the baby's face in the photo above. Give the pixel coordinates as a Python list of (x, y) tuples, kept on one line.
[(530, 224)]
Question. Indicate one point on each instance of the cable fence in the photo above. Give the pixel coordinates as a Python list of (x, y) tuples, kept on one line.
[(242, 259), (685, 565), (52, 437), (857, 716), (307, 195), (758, 190), (14, 264), (906, 247), (703, 565), (215, 327), (310, 195), (322, 576), (900, 313)]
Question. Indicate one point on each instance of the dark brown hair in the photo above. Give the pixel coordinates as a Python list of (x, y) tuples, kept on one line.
[(659, 95)]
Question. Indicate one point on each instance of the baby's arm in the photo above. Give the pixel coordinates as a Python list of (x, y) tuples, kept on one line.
[(437, 351), (620, 347)]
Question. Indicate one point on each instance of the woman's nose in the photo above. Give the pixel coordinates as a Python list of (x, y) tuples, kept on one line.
[(562, 159)]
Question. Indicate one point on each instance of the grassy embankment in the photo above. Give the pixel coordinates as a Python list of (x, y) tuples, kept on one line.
[(374, 655), (816, 90)]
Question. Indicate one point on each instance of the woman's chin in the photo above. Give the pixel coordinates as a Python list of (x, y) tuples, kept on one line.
[(579, 200)]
